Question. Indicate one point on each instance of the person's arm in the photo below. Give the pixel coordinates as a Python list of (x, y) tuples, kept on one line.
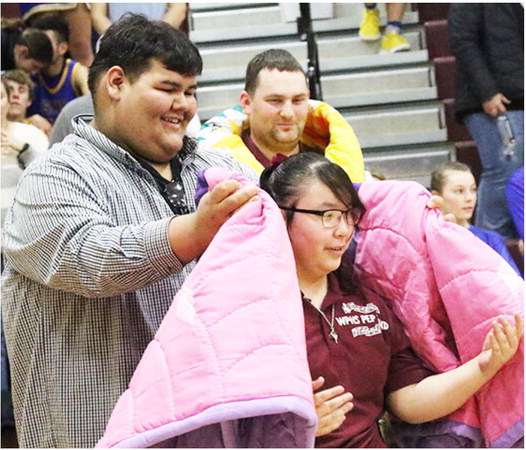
[(80, 80), (99, 17), (442, 394), (41, 123), (28, 147), (67, 238), (79, 20), (465, 31), (175, 14), (496, 105)]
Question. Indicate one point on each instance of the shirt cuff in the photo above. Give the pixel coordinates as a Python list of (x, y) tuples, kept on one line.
[(158, 249)]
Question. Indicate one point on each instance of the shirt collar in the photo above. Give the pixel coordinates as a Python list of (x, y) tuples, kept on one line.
[(99, 140), (334, 292)]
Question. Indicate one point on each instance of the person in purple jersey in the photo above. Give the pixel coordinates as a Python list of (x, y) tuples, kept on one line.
[(64, 79), (515, 197)]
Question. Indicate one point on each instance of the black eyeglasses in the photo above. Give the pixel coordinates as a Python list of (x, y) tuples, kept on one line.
[(330, 218), (175, 194)]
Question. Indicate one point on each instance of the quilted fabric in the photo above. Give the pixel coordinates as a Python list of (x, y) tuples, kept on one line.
[(446, 286), (325, 128), (228, 366)]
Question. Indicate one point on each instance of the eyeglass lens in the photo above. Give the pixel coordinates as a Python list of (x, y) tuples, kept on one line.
[(332, 219)]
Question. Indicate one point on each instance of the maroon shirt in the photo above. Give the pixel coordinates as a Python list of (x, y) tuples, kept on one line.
[(371, 359), (258, 154)]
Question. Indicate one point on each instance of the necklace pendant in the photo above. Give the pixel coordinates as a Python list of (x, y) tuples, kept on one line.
[(334, 336)]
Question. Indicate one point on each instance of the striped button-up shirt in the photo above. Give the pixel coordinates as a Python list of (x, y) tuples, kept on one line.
[(90, 275)]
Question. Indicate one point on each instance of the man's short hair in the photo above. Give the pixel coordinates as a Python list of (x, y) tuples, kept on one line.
[(38, 44), (134, 41), (55, 23), (20, 77), (270, 59)]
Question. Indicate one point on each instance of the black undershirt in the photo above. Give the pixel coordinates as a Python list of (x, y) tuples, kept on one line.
[(175, 165)]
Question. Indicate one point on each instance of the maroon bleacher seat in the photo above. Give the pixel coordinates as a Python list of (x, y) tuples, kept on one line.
[(445, 67), (437, 39), (10, 10), (456, 131), (432, 11), (467, 152)]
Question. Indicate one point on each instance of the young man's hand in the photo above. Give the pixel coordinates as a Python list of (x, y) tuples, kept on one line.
[(190, 234)]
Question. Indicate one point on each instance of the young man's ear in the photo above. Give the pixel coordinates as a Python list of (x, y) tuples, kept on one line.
[(244, 100), (115, 80), (62, 48), (21, 51)]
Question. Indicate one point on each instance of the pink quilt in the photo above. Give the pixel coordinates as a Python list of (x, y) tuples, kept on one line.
[(228, 366)]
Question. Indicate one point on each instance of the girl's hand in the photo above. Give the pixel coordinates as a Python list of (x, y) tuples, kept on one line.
[(500, 344), (331, 406)]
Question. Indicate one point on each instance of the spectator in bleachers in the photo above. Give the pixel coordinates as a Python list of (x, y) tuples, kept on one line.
[(103, 232), (29, 50), (276, 117), (392, 40), (78, 18), (487, 40), (21, 144), (104, 14), (455, 183), (20, 91), (515, 198), (64, 79)]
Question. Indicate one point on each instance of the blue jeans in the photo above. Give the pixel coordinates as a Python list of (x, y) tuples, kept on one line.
[(492, 208)]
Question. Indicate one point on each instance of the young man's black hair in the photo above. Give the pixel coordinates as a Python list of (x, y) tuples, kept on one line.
[(134, 41)]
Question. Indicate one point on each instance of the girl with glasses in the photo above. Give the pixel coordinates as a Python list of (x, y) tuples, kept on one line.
[(359, 357)]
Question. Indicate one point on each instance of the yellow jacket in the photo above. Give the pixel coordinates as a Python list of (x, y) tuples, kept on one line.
[(325, 128)]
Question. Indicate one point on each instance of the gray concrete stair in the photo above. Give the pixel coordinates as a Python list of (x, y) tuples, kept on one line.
[(409, 163), (204, 6), (379, 87), (229, 63), (227, 21), (399, 126), (348, 16), (351, 53), (340, 91), (248, 23)]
